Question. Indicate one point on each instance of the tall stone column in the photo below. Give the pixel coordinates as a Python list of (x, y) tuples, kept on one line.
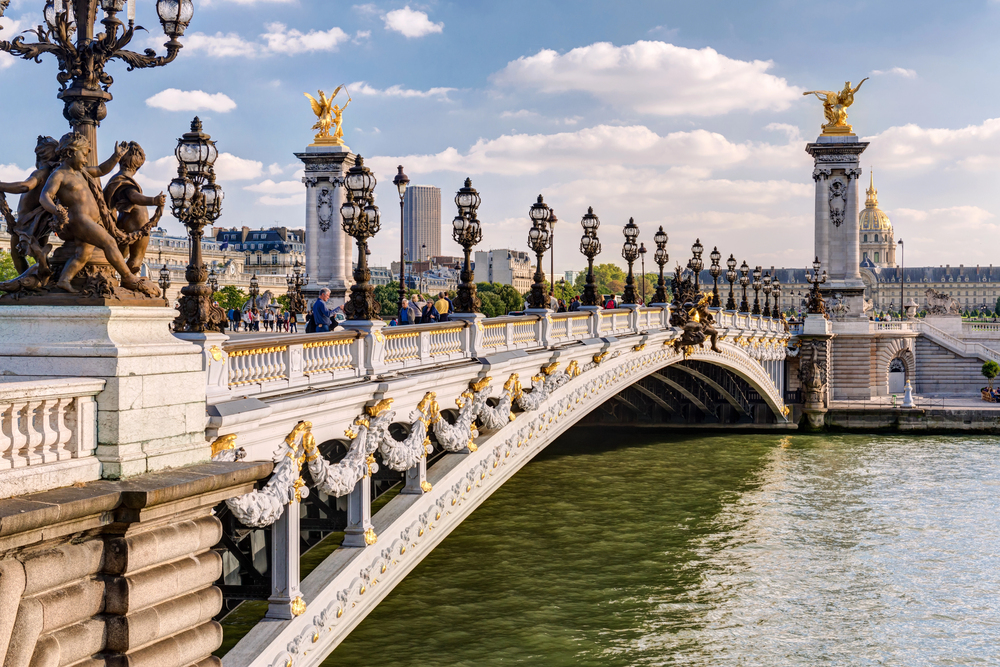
[(326, 243), (836, 171)]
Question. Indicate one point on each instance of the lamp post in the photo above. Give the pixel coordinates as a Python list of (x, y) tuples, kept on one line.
[(744, 281), (590, 246), (361, 222), (776, 290), (196, 201), (552, 251), (661, 258), (642, 258), (69, 34), (296, 281), (213, 281), (902, 280), (731, 277), (815, 301), (756, 285), (401, 181), (164, 281), (630, 253), (715, 270), (696, 263), (766, 288), (254, 293), (538, 241), (467, 232)]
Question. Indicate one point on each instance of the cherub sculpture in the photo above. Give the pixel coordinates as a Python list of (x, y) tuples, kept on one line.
[(123, 196), (29, 231)]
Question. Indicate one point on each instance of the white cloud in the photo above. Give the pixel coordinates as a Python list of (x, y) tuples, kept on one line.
[(296, 200), (228, 167), (275, 169), (654, 78), (362, 88), (520, 113), (155, 175), (173, 99), (218, 45), (367, 9), (277, 39), (410, 22), (12, 172), (940, 235), (271, 187), (11, 29), (971, 148), (896, 71)]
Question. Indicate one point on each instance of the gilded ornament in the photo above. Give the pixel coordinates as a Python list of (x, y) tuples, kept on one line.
[(370, 538), (216, 352), (639, 348), (297, 486), (835, 106), (378, 408), (551, 368), (298, 606), (478, 385), (426, 487), (328, 115), (379, 336), (598, 358), (222, 443)]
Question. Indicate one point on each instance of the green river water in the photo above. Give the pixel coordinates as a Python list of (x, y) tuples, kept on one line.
[(713, 551)]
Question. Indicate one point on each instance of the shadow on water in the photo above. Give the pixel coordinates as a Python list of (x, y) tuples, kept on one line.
[(572, 559)]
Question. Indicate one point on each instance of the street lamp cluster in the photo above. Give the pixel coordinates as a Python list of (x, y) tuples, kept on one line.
[(361, 222), (539, 240), (467, 232)]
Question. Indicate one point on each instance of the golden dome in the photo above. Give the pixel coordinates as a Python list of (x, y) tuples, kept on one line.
[(872, 219)]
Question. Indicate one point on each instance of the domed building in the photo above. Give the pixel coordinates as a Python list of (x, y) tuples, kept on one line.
[(876, 239)]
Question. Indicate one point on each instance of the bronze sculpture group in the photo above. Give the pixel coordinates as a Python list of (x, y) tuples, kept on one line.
[(691, 315), (100, 227)]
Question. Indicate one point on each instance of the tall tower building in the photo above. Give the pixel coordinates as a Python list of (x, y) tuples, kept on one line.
[(877, 243), (421, 222)]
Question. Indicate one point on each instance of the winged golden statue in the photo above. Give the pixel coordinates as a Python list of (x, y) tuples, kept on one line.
[(835, 108), (329, 115)]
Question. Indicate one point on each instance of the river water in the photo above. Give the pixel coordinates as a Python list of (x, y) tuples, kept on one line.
[(713, 551)]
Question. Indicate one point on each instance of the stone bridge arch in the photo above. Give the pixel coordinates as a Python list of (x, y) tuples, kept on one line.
[(889, 350)]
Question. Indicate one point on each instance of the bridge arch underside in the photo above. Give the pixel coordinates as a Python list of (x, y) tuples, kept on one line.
[(727, 388)]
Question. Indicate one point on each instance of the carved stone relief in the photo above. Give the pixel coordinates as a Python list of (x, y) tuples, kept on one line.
[(838, 201), (324, 203)]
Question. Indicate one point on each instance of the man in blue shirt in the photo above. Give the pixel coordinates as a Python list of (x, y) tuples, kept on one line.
[(321, 314)]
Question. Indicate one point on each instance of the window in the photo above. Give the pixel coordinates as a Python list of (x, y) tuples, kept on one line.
[(876, 238), (866, 238), (876, 256)]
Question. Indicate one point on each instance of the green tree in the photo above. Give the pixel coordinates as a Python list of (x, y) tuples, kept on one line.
[(284, 300), (990, 370), (492, 305), (231, 296), (388, 298), (608, 278)]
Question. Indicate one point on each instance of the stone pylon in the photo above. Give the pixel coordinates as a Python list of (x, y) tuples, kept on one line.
[(836, 174), (329, 251)]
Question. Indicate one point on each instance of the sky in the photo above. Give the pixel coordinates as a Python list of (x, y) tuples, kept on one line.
[(680, 114)]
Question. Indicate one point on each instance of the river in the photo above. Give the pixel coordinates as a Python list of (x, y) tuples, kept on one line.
[(713, 551)]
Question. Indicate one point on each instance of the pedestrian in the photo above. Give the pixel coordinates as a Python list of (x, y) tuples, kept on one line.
[(404, 313), (321, 313), (293, 322), (246, 319), (441, 306), (574, 304), (562, 306), (609, 303), (429, 314), (413, 311), (553, 302)]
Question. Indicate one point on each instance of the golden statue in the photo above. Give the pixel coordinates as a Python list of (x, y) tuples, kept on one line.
[(835, 108), (329, 115)]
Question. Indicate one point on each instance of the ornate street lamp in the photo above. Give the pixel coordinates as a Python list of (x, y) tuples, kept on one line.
[(661, 258), (196, 201), (744, 281), (642, 258), (69, 34), (756, 285), (164, 281), (401, 180), (630, 253), (213, 281), (467, 232), (715, 270), (552, 251), (539, 242), (361, 222), (696, 263), (767, 294), (254, 293), (731, 277), (815, 301), (296, 281), (590, 246), (776, 290)]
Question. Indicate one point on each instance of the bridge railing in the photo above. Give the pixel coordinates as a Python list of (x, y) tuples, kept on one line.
[(48, 434)]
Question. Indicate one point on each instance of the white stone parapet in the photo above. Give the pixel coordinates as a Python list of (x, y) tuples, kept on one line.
[(48, 433)]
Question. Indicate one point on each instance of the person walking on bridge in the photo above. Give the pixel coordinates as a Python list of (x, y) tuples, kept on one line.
[(321, 314)]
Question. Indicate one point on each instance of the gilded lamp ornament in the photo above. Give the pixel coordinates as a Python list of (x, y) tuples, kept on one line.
[(835, 106), (329, 116)]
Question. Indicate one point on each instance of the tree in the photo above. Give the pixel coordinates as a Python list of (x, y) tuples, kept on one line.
[(492, 305), (7, 270), (990, 370), (608, 278), (388, 298), (284, 300), (231, 296)]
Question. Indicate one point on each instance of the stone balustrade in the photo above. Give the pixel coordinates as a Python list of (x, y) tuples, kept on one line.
[(48, 434)]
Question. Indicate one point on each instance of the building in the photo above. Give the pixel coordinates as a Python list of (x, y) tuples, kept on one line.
[(271, 251), (507, 267), (381, 275), (421, 222), (877, 243), (570, 276)]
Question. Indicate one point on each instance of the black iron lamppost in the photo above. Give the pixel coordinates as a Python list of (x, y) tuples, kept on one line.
[(697, 264), (715, 270), (815, 301), (552, 251), (253, 293), (401, 181), (902, 280), (661, 258), (766, 288), (467, 232), (744, 281), (776, 290), (164, 281), (731, 277), (213, 281), (756, 285), (196, 201), (590, 246), (642, 259), (361, 222), (296, 281), (69, 34), (630, 253), (539, 242)]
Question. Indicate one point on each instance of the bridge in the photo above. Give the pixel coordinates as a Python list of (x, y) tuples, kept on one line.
[(447, 413)]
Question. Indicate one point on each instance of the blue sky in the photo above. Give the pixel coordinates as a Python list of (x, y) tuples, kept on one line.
[(686, 115)]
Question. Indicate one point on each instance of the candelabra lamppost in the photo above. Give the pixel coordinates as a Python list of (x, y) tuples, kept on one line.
[(630, 253), (164, 281), (254, 293), (696, 264), (744, 281), (552, 251), (756, 285), (539, 241), (401, 180), (766, 288), (590, 246), (661, 258), (776, 291), (731, 278), (715, 270), (467, 232), (196, 201), (296, 281), (815, 300), (361, 222), (642, 260), (69, 34), (213, 281)]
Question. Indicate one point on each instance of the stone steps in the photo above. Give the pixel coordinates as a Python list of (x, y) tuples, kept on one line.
[(941, 371)]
